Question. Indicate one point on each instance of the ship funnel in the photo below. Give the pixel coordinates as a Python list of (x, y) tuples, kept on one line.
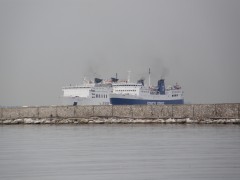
[(114, 79), (141, 81), (161, 86), (97, 80)]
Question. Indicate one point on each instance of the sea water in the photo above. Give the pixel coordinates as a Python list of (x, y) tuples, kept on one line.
[(127, 151)]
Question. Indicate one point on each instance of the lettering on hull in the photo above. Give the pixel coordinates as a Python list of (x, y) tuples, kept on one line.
[(154, 103)]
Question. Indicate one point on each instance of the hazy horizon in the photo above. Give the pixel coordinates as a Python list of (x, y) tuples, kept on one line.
[(48, 44)]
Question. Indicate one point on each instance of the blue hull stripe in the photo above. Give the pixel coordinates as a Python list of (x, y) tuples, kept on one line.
[(122, 101)]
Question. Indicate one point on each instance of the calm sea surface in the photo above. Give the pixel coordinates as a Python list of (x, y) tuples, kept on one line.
[(66, 152)]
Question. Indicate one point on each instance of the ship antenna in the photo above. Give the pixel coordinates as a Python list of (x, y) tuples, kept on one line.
[(149, 78), (129, 74)]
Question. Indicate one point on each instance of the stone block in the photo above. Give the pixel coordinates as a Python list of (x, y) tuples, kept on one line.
[(65, 111), (203, 111), (1, 113), (10, 113), (84, 111), (47, 112), (182, 111), (227, 110), (162, 111), (103, 110), (122, 111), (142, 111), (28, 112)]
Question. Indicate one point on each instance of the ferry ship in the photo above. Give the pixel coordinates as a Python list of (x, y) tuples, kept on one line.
[(115, 92), (136, 93), (89, 93)]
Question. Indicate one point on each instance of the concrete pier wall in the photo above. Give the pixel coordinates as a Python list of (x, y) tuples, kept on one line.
[(196, 112)]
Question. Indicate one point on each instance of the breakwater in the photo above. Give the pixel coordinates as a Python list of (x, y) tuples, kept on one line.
[(188, 113)]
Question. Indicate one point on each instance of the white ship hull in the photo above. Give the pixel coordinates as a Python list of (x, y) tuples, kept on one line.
[(85, 101)]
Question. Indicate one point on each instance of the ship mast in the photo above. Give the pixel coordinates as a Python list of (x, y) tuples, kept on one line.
[(129, 74), (149, 78)]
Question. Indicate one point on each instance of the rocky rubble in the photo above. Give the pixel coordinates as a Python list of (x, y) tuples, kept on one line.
[(97, 120)]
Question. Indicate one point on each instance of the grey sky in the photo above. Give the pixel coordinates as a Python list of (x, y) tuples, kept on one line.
[(47, 44)]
